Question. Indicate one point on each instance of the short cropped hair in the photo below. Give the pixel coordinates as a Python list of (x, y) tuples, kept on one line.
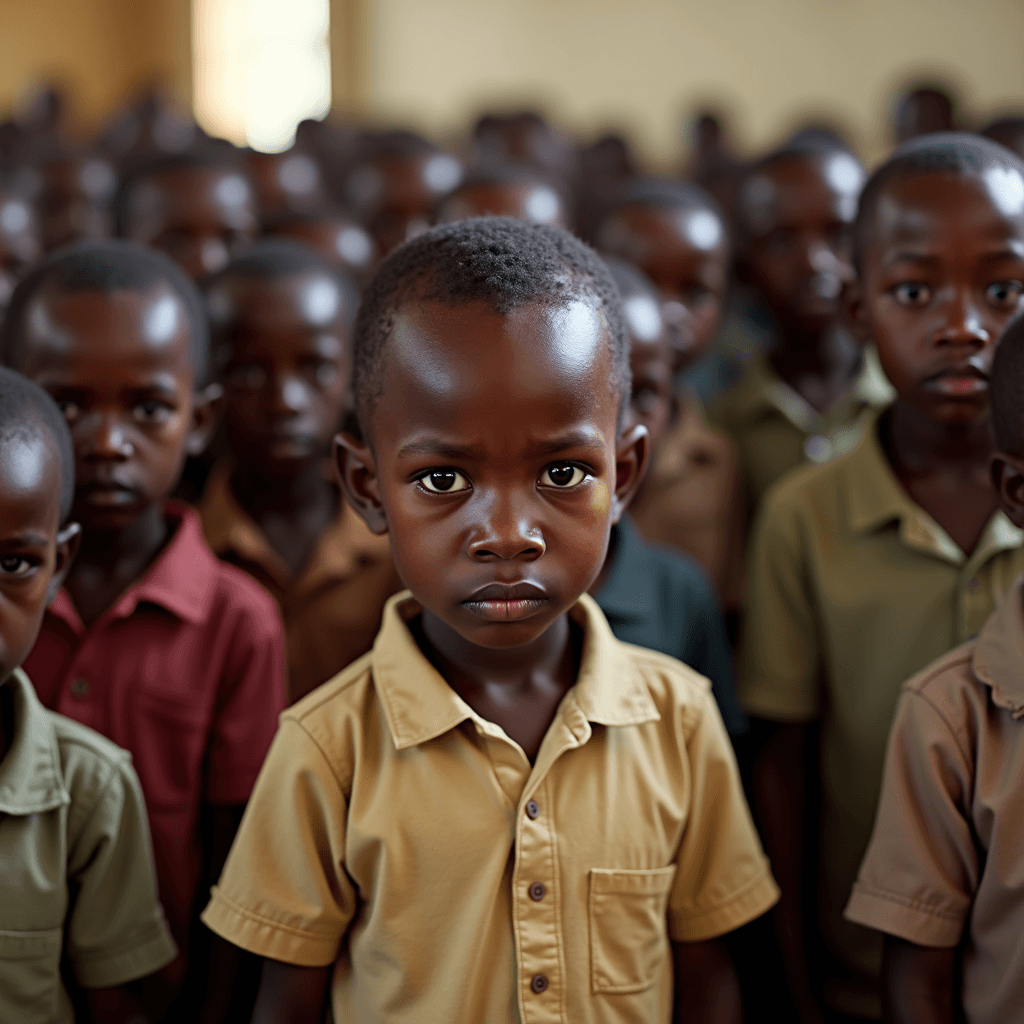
[(27, 412), (504, 262), (1006, 383), (960, 153), (106, 266)]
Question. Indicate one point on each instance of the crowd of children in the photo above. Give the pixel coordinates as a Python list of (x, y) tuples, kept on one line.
[(491, 583)]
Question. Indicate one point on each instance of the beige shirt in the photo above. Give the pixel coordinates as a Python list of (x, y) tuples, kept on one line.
[(853, 588), (946, 859), (76, 866), (400, 836), (332, 608), (775, 429)]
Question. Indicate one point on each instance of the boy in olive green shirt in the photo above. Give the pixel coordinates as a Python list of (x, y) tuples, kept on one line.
[(866, 569), (76, 871)]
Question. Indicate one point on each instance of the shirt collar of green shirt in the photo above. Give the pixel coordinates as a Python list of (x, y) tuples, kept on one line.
[(30, 775), (998, 659), (875, 498), (419, 705)]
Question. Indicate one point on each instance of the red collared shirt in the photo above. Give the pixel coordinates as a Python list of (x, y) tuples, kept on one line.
[(186, 671)]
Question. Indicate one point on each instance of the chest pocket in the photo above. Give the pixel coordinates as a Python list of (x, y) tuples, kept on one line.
[(628, 928), (30, 974)]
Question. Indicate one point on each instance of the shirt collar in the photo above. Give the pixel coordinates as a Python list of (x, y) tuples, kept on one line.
[(419, 705), (999, 653), (30, 775), (625, 593), (875, 498), (182, 578)]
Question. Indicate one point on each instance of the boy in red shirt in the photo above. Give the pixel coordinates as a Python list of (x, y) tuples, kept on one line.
[(152, 641)]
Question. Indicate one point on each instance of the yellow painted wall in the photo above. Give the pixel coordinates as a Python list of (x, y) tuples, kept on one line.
[(641, 63)]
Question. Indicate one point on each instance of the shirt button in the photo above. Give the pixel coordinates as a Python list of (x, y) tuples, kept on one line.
[(818, 448), (539, 983), (79, 688), (532, 810), (973, 583), (537, 891)]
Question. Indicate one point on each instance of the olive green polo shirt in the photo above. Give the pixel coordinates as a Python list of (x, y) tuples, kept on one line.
[(775, 429), (401, 837), (76, 867), (853, 588)]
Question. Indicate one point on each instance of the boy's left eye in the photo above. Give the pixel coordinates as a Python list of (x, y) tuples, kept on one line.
[(153, 411), (444, 481), (562, 475), (1005, 293), (15, 565)]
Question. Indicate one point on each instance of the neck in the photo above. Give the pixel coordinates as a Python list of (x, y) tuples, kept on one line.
[(468, 667), (833, 353), (123, 552), (284, 496), (919, 444)]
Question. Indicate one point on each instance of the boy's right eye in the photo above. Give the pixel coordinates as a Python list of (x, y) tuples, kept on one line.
[(71, 410), (15, 566), (912, 293), (444, 481)]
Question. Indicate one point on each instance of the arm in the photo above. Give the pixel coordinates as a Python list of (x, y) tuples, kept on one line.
[(780, 799), (706, 989), (292, 995), (917, 983)]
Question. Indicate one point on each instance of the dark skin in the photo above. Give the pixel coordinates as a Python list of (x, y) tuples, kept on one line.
[(75, 200), (20, 241), (684, 252), (286, 183), (942, 275), (199, 216), (337, 238), (531, 201), (119, 366), (798, 216), (284, 391), (504, 483)]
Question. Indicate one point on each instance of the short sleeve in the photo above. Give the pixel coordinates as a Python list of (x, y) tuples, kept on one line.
[(252, 694), (779, 657), (115, 928), (920, 872), (284, 892), (722, 877)]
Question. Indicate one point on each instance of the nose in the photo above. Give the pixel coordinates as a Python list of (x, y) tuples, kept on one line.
[(103, 438), (506, 534), (290, 395), (963, 324), (213, 255)]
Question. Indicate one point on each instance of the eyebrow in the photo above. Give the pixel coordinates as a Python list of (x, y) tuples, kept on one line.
[(29, 539), (437, 448), (571, 439)]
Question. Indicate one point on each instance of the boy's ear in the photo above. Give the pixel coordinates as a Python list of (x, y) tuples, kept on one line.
[(632, 454), (207, 409), (856, 311), (357, 469), (68, 539), (1008, 480)]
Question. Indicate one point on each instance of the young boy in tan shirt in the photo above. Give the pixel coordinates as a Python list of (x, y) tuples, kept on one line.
[(501, 812), (944, 875)]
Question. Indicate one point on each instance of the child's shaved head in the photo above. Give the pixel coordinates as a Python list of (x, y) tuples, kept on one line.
[(497, 260)]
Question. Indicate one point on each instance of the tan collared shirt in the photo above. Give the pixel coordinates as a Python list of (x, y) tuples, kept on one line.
[(946, 859), (775, 429), (691, 499), (332, 608), (76, 866), (400, 836), (854, 588)]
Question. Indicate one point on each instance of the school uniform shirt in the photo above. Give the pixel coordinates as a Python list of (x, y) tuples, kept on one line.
[(76, 868), (653, 597), (946, 860), (332, 607), (186, 671), (853, 589), (775, 429), (691, 499), (398, 835)]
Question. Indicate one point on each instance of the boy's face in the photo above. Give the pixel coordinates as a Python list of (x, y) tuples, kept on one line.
[(337, 239), (286, 183), (495, 463), (199, 216), (34, 552), (650, 364), (75, 200), (284, 385), (118, 364), (684, 252), (799, 215), (530, 201), (942, 276), (19, 242)]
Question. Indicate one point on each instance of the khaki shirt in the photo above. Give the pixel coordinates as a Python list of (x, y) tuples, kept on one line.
[(400, 836), (946, 859), (76, 867), (775, 429), (332, 608), (853, 588), (690, 500)]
